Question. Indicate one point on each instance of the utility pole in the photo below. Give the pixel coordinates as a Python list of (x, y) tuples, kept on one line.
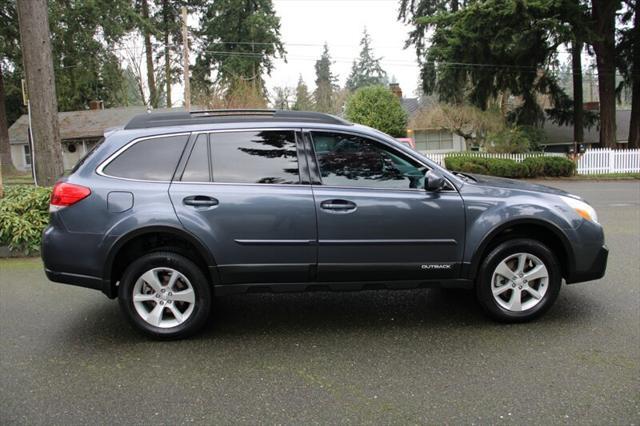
[(35, 41), (185, 58)]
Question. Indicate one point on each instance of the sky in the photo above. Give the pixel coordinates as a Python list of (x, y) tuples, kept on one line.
[(306, 24)]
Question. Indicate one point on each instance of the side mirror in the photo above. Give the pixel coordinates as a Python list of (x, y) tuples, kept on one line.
[(433, 181)]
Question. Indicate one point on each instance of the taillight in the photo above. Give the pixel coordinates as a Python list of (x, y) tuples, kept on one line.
[(67, 194)]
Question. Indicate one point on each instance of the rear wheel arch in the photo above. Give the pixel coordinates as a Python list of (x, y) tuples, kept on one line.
[(144, 240), (535, 229)]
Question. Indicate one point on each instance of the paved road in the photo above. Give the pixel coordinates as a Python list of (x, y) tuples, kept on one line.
[(424, 356)]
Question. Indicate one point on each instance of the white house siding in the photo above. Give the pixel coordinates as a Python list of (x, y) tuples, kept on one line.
[(17, 156), (437, 141)]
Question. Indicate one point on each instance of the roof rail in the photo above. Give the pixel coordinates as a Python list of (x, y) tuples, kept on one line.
[(216, 116)]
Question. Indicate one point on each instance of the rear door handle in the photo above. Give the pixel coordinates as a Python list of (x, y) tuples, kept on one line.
[(342, 206), (200, 201)]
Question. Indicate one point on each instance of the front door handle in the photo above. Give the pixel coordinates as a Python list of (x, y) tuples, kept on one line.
[(341, 206), (200, 201)]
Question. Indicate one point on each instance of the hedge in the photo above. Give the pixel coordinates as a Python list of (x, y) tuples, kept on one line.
[(529, 168), (24, 213)]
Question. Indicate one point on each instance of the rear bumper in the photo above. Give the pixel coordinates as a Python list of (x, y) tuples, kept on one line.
[(78, 280), (594, 271)]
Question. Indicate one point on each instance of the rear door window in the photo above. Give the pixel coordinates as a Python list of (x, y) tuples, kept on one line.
[(152, 159), (197, 168), (262, 156)]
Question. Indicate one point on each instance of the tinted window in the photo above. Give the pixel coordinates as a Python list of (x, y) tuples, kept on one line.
[(348, 160), (197, 168), (150, 159), (88, 155), (255, 157)]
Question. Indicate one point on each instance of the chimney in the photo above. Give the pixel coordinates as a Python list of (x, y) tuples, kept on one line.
[(96, 104), (396, 90)]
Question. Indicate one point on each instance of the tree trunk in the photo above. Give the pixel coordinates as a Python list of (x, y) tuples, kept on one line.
[(604, 17), (36, 55), (5, 147), (167, 50), (151, 80), (634, 124), (578, 111)]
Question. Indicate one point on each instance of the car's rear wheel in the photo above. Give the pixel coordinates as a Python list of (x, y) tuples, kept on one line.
[(518, 281), (165, 295)]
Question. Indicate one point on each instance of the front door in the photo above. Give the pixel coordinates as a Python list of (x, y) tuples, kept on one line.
[(245, 194), (375, 219)]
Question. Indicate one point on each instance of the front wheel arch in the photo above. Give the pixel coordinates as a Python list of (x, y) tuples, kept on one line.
[(534, 229)]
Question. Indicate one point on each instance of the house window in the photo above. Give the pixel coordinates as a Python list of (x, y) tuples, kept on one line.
[(27, 155), (433, 140)]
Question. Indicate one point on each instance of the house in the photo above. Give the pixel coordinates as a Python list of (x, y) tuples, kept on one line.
[(560, 138), (79, 131), (432, 140)]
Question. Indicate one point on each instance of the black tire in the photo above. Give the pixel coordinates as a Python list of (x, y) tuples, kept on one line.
[(503, 251), (165, 259)]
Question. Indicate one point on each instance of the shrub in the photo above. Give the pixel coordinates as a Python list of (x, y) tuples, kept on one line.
[(530, 167), (511, 140), (487, 166), (535, 165), (377, 107), (24, 213)]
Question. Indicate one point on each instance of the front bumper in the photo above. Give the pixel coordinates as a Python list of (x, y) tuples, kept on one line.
[(595, 270)]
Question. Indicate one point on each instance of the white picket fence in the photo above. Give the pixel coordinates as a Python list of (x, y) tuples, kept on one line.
[(606, 160), (593, 161), (439, 157)]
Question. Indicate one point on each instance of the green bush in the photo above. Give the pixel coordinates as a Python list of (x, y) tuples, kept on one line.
[(530, 167), (535, 165), (510, 140), (24, 213), (377, 107)]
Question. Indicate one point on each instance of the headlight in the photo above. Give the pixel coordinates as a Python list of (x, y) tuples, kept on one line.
[(582, 208)]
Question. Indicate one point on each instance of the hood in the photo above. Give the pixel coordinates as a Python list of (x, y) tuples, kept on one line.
[(497, 182)]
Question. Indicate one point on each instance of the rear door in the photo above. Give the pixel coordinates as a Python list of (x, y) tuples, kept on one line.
[(247, 196), (375, 219)]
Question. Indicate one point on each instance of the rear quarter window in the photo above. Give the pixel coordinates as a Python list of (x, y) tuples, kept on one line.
[(153, 159)]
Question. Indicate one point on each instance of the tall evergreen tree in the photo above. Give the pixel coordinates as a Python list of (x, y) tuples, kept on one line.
[(303, 101), (603, 13), (240, 40), (628, 57), (86, 68), (467, 63), (366, 71), (325, 83)]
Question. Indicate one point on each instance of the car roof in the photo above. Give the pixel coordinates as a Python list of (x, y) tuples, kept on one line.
[(227, 116)]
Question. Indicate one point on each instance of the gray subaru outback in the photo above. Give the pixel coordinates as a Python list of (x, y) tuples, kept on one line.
[(175, 208)]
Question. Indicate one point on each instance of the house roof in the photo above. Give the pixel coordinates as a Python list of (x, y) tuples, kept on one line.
[(564, 134), (410, 106), (86, 124)]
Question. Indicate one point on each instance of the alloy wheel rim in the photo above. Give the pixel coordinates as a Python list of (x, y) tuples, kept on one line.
[(163, 297), (519, 282)]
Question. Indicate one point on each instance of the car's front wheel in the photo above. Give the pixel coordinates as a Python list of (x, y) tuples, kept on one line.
[(165, 295), (518, 281)]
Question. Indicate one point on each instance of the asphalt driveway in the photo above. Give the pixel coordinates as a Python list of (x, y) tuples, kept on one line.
[(423, 356)]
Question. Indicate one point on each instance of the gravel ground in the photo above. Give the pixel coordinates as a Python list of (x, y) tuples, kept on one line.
[(423, 356)]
